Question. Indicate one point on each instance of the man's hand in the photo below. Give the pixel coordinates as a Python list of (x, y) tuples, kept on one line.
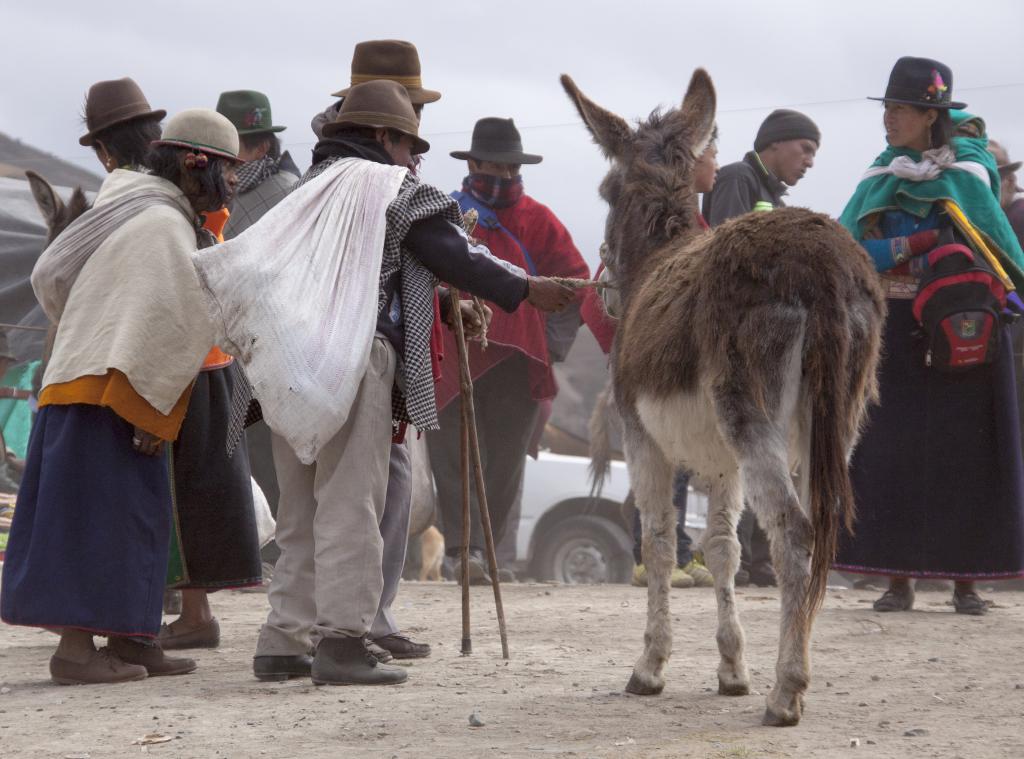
[(145, 443), (472, 323), (548, 295)]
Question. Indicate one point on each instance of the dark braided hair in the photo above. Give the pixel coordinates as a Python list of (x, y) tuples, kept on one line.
[(165, 161), (128, 143)]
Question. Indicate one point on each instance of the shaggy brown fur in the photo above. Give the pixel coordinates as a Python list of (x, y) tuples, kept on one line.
[(742, 354)]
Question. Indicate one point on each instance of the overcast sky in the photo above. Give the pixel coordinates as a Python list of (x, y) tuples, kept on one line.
[(503, 59)]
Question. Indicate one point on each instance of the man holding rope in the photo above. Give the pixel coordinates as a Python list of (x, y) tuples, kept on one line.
[(334, 366)]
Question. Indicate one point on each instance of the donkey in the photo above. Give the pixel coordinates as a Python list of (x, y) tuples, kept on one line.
[(744, 355)]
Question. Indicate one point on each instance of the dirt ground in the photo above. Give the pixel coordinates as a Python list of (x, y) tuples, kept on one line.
[(923, 684)]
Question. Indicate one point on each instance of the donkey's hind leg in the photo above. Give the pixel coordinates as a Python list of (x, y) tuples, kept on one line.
[(722, 554), (651, 477)]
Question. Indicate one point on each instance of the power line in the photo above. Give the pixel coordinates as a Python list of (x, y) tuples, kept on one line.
[(565, 124)]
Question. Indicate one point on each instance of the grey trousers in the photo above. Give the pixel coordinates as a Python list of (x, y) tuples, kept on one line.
[(394, 531), (329, 579)]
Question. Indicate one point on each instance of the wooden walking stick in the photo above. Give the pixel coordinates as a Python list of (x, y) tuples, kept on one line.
[(467, 641), (470, 436)]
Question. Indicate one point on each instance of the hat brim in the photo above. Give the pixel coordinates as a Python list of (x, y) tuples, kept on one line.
[(261, 130), (87, 139), (201, 149), (419, 145), (951, 106), (479, 155), (1010, 168), (417, 95)]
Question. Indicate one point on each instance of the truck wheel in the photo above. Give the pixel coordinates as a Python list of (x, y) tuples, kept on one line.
[(585, 550)]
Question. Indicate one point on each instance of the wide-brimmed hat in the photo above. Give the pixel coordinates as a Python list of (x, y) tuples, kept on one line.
[(381, 103), (203, 130), (113, 102), (1003, 162), (922, 82), (389, 59), (497, 140), (248, 110)]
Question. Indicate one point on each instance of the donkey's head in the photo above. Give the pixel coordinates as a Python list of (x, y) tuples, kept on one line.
[(56, 213), (649, 189)]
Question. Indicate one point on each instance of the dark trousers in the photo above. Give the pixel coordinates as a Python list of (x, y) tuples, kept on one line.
[(755, 550), (505, 418), (684, 545)]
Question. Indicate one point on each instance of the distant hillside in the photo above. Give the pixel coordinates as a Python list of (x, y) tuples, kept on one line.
[(16, 157)]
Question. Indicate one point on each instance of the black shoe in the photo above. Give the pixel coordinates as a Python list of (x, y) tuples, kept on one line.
[(477, 566), (346, 661), (742, 578), (763, 575), (403, 647), (277, 668), (381, 654)]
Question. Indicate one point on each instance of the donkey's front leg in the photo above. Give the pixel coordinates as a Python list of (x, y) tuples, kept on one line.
[(651, 476), (722, 554)]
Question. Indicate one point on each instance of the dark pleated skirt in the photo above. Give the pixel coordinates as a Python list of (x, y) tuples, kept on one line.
[(88, 545), (216, 525), (937, 476)]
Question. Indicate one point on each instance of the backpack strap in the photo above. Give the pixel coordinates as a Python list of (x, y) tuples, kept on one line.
[(489, 219)]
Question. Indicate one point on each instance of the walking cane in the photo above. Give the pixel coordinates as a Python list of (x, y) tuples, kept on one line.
[(471, 453)]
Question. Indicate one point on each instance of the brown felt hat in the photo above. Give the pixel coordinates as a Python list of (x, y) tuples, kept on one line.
[(114, 102), (389, 59), (1003, 162), (381, 103)]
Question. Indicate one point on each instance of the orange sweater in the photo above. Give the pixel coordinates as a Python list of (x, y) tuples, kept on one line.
[(114, 391), (215, 222)]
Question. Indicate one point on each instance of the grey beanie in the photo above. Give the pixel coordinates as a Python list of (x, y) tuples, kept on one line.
[(784, 124)]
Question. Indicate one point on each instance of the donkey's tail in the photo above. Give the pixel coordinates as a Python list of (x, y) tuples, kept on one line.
[(831, 491), (601, 438)]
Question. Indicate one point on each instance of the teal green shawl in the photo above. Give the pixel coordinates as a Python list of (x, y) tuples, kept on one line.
[(888, 192)]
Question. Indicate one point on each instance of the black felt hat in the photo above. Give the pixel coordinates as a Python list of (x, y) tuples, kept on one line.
[(921, 82), (496, 140)]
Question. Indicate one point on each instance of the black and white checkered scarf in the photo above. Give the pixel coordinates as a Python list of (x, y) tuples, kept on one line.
[(252, 173)]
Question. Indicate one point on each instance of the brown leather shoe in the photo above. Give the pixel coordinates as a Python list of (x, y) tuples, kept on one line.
[(402, 647), (150, 656), (174, 637), (103, 666)]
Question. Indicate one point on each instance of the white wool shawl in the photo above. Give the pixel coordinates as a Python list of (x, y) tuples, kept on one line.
[(294, 297), (137, 305)]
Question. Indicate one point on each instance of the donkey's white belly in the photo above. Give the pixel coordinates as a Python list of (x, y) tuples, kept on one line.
[(685, 428)]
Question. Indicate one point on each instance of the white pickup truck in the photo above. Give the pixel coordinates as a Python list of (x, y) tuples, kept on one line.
[(567, 536)]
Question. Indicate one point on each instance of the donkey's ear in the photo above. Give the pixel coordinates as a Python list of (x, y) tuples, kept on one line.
[(698, 109), (610, 132), (78, 204), (49, 202)]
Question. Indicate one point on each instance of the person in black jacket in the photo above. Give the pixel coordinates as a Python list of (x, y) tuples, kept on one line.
[(784, 150)]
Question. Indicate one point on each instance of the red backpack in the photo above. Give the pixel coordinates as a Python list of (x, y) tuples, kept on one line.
[(959, 304)]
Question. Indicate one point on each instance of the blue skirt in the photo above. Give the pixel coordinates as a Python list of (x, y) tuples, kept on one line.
[(89, 542), (937, 476)]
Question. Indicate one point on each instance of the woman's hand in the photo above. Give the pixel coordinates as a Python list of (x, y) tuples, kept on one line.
[(146, 443)]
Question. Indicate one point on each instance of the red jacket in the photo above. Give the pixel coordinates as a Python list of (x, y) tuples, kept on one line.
[(553, 253)]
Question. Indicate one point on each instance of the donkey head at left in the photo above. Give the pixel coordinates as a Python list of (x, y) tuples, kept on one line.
[(649, 188)]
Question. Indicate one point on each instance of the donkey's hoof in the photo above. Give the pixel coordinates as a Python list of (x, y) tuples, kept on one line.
[(639, 687), (780, 719), (733, 689)]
